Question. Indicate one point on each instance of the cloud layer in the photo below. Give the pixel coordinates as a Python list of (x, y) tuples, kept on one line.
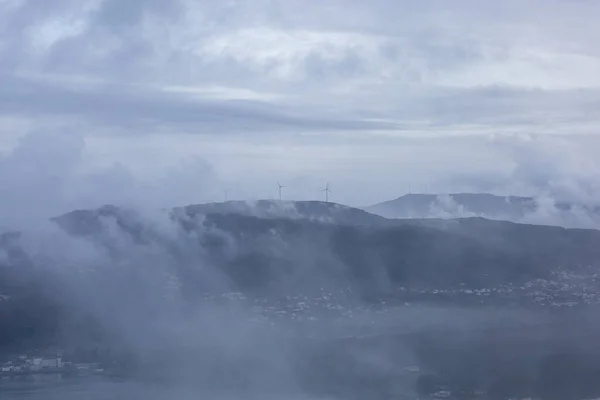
[(379, 95)]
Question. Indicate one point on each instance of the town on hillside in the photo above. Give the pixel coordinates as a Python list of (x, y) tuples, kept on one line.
[(44, 364)]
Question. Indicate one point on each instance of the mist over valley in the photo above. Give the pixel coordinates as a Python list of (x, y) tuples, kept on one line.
[(317, 294), (299, 200)]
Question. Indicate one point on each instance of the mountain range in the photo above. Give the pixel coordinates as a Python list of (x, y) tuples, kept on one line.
[(474, 251), (278, 248)]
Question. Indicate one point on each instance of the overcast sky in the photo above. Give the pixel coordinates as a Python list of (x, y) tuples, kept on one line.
[(172, 101)]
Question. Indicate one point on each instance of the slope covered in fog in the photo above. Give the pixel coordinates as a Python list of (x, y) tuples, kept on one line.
[(346, 246), (106, 269), (472, 251), (151, 286), (317, 211)]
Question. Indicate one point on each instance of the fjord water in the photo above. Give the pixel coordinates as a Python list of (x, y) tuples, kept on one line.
[(100, 389), (316, 347), (358, 352)]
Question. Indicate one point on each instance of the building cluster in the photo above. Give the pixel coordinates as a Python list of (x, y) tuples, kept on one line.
[(24, 364)]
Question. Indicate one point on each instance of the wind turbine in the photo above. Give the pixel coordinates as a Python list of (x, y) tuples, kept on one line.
[(226, 193), (280, 187), (327, 191)]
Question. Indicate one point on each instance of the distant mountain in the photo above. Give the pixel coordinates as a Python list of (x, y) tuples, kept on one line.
[(457, 205), (281, 246), (86, 222), (426, 205), (285, 234)]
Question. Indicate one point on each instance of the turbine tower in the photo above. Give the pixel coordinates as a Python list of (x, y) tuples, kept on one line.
[(226, 193), (327, 191), (280, 187)]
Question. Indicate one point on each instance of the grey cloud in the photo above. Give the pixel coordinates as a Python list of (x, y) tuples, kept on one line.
[(141, 38), (122, 106), (117, 14), (561, 167), (142, 109), (340, 71), (34, 174), (43, 177)]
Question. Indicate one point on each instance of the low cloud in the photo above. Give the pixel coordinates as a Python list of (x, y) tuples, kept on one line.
[(43, 176)]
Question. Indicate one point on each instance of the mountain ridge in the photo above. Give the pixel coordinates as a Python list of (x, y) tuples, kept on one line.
[(198, 250)]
